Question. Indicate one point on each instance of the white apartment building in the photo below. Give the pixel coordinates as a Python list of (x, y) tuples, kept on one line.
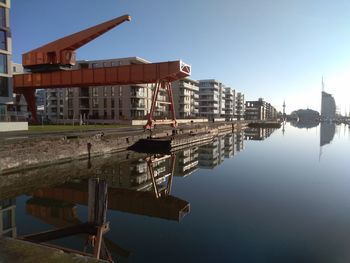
[(230, 97), (240, 106), (107, 104), (211, 99), (186, 95), (17, 109)]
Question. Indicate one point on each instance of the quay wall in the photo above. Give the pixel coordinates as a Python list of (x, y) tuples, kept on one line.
[(13, 126), (42, 151)]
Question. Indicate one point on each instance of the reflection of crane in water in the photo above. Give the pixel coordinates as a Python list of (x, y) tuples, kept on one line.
[(61, 214), (95, 227), (149, 197), (161, 190), (57, 206)]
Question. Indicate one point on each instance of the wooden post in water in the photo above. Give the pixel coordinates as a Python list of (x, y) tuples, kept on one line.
[(97, 211)]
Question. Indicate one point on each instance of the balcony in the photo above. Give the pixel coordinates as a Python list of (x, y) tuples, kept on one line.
[(137, 94), (138, 105), (84, 92)]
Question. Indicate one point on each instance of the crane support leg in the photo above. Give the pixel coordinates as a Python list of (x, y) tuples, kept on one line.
[(29, 95), (151, 122), (171, 105)]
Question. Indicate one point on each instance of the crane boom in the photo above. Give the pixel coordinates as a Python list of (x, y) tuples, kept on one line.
[(60, 54)]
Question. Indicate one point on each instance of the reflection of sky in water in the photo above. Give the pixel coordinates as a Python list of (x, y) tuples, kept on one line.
[(275, 201)]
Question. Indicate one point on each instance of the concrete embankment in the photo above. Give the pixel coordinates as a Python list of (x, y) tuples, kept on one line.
[(33, 152)]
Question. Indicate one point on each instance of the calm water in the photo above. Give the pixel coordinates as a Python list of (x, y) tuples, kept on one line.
[(257, 196)]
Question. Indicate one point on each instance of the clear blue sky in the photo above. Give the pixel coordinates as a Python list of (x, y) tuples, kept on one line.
[(275, 49)]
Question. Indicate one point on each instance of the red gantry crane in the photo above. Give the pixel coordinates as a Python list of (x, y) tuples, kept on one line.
[(50, 66)]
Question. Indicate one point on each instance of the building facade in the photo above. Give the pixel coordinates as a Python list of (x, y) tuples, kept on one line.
[(17, 108), (259, 110), (107, 104), (328, 106), (186, 96), (211, 99), (230, 102), (239, 106), (5, 58)]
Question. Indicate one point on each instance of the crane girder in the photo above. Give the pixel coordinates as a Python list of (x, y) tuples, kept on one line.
[(117, 75)]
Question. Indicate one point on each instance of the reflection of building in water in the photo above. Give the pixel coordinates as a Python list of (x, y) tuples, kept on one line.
[(327, 132), (133, 173), (239, 141), (221, 149), (214, 153), (229, 145), (208, 155), (7, 218), (186, 162), (258, 134)]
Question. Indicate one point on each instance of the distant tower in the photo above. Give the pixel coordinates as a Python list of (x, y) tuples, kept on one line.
[(328, 106), (322, 85)]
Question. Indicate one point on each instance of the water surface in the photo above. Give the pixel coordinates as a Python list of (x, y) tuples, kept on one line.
[(253, 196)]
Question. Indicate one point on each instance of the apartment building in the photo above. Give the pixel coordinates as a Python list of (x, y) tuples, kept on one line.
[(259, 110), (186, 96), (107, 104), (239, 106), (211, 99), (17, 108), (230, 97), (5, 58), (54, 103)]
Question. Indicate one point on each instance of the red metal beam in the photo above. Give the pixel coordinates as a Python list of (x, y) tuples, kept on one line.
[(118, 75), (137, 202)]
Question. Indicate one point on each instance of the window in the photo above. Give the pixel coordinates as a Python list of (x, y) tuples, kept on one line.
[(4, 87), (3, 63), (2, 16), (70, 103), (3, 1), (94, 103), (3, 40), (94, 92), (105, 91)]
